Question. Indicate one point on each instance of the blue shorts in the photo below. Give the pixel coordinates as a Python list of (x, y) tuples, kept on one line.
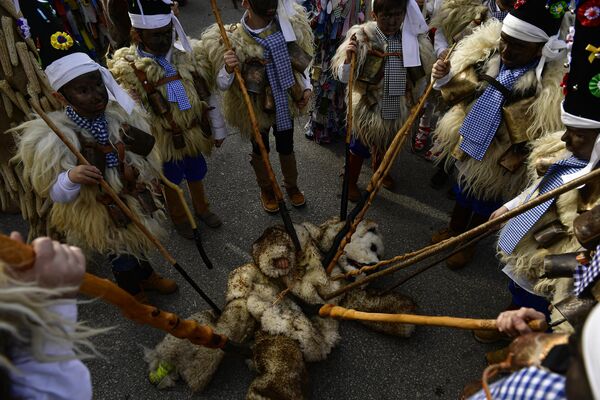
[(358, 148), (481, 207), (191, 169), (522, 298)]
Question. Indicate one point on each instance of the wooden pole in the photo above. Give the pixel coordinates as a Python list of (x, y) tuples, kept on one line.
[(377, 179), (136, 221), (256, 134), (349, 111), (490, 225), (337, 312)]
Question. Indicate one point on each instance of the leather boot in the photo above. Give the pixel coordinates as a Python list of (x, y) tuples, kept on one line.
[(150, 280), (267, 197), (387, 182), (177, 213), (354, 165), (458, 224), (290, 179), (462, 258), (200, 204)]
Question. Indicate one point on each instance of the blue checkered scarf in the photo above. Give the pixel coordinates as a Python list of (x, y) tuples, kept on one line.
[(279, 72), (585, 275), (98, 128), (482, 122), (175, 90), (517, 227), (394, 80)]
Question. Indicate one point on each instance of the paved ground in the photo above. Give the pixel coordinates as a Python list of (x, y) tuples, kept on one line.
[(434, 363)]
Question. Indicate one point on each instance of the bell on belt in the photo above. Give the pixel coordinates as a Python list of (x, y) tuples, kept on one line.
[(136, 140), (269, 101), (201, 87), (560, 265), (300, 58), (587, 228), (158, 103), (178, 141), (255, 75)]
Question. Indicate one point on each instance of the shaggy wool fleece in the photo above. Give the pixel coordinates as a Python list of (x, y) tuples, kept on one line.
[(196, 140), (487, 179), (367, 123), (85, 221)]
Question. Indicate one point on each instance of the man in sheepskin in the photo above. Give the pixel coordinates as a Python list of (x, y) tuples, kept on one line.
[(81, 211), (171, 80), (273, 46), (503, 83), (392, 54)]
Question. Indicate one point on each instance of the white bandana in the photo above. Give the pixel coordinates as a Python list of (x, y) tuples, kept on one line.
[(285, 10), (519, 29), (580, 122), (67, 68), (159, 21)]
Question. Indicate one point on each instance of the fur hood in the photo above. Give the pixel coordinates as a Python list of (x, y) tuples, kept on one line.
[(85, 222), (367, 123), (455, 15), (246, 47), (196, 140)]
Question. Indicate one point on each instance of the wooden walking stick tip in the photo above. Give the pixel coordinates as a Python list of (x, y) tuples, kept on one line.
[(538, 325)]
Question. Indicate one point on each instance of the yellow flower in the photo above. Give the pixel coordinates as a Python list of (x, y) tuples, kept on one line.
[(61, 41)]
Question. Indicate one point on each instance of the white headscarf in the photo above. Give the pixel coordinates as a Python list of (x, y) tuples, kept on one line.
[(585, 123), (67, 68), (285, 10), (142, 21)]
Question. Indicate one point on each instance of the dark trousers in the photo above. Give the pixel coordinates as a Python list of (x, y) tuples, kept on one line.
[(284, 141)]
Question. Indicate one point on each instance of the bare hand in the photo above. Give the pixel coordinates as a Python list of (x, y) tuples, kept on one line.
[(440, 69), (56, 265), (231, 60), (351, 49), (85, 175), (514, 322), (219, 142), (305, 99), (502, 210)]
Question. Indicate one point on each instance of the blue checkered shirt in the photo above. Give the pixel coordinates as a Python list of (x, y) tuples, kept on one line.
[(175, 90), (517, 227), (98, 128), (585, 275), (482, 122), (531, 383), (279, 72)]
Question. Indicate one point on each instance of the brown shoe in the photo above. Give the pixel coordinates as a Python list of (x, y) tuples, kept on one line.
[(211, 219), (269, 203), (159, 284), (296, 196), (443, 234), (184, 230), (460, 259)]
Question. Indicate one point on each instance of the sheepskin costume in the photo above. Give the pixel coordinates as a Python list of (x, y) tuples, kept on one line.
[(367, 124), (487, 179), (527, 260), (187, 64), (285, 337), (246, 48), (456, 15), (85, 222)]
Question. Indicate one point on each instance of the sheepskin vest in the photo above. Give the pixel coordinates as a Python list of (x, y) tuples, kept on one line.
[(527, 259), (367, 123), (246, 48), (85, 222), (196, 140), (456, 15), (487, 179), (282, 316)]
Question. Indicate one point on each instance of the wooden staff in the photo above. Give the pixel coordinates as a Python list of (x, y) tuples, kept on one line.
[(346, 182), (22, 256), (191, 220), (337, 312), (345, 235), (108, 190), (285, 216), (490, 225)]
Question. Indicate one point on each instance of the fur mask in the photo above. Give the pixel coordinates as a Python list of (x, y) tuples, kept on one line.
[(274, 252)]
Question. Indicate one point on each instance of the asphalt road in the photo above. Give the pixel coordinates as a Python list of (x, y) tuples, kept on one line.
[(433, 364)]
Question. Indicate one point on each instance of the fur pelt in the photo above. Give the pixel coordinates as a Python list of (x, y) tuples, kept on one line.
[(486, 179), (367, 123), (234, 107), (85, 221), (196, 141), (527, 259), (455, 15)]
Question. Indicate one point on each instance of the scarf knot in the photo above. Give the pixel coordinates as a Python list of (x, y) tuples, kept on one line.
[(98, 128)]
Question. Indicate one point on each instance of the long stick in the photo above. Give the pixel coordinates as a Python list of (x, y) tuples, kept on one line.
[(191, 220), (287, 221), (106, 187), (346, 182), (490, 225), (344, 237), (337, 312), (21, 256)]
